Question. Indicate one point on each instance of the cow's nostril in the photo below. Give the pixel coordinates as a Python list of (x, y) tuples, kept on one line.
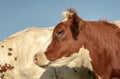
[(35, 59)]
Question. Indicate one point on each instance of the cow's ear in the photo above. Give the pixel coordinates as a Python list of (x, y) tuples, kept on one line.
[(76, 26)]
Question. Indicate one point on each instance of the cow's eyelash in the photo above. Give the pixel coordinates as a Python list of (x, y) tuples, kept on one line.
[(59, 32)]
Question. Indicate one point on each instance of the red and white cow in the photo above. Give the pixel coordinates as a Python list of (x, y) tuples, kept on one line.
[(99, 40), (17, 53)]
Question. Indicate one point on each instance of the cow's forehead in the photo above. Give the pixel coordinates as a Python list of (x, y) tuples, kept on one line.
[(60, 26)]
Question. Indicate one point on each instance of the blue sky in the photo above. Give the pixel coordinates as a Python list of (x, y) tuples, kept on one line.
[(16, 15)]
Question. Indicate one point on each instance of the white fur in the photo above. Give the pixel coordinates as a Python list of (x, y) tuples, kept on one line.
[(117, 23), (82, 59), (25, 44), (65, 15)]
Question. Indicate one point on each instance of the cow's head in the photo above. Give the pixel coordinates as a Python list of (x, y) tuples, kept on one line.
[(65, 36)]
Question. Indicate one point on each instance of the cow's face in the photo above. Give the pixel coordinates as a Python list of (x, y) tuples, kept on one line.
[(65, 38)]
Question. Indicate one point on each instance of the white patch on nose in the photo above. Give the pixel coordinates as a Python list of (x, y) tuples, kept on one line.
[(65, 15), (41, 59)]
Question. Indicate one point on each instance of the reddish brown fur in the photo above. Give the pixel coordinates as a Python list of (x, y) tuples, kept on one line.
[(101, 38), (10, 49), (9, 54)]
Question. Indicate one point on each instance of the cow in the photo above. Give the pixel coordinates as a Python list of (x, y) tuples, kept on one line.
[(100, 38), (18, 50)]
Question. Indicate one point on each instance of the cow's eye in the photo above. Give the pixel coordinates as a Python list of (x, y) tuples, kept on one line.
[(59, 32)]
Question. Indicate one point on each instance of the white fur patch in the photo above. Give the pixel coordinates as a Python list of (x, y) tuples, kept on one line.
[(65, 15), (82, 59), (99, 77), (117, 23)]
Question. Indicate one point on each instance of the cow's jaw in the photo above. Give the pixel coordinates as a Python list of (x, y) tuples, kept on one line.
[(82, 58)]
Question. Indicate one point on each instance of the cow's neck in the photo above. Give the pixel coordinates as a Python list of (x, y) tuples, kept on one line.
[(89, 41)]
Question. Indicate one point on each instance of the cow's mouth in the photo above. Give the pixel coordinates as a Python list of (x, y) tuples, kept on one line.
[(42, 61), (45, 66)]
